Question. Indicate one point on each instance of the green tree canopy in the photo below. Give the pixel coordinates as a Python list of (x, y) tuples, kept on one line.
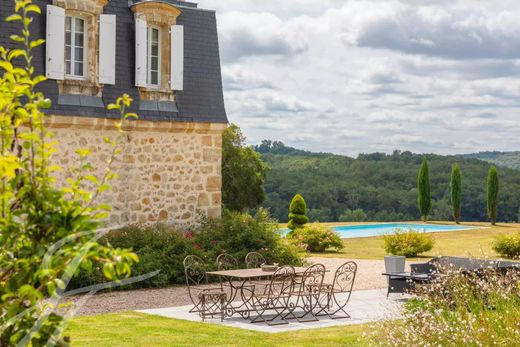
[(456, 192), (297, 212), (424, 194), (243, 172), (492, 194)]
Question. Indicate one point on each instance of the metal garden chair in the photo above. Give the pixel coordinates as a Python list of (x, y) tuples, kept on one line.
[(334, 297), (254, 260), (206, 301), (306, 293), (275, 298)]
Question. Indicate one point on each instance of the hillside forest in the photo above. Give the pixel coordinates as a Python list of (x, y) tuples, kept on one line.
[(379, 186)]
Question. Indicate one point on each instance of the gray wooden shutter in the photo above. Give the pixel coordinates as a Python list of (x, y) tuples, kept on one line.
[(141, 42), (55, 43), (177, 57), (107, 49)]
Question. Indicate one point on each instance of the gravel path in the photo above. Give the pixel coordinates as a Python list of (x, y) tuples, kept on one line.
[(368, 277)]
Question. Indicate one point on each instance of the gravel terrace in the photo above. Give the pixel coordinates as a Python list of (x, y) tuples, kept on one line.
[(367, 277)]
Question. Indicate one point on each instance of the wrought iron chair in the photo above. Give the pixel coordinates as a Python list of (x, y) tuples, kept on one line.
[(225, 262), (275, 298), (306, 292), (330, 293), (206, 301), (254, 260)]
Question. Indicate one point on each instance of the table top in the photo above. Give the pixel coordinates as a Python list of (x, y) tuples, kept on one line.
[(250, 273), (407, 275)]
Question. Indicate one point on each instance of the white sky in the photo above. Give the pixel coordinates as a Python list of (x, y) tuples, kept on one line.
[(363, 76)]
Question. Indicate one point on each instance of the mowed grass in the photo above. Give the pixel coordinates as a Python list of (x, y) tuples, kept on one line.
[(474, 243), (136, 329)]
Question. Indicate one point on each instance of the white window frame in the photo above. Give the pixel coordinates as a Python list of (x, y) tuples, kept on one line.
[(149, 56), (72, 45)]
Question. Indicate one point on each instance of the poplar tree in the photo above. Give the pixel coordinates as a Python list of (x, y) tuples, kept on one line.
[(424, 194), (456, 192), (492, 194)]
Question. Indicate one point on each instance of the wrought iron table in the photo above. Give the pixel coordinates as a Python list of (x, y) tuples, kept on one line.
[(239, 280)]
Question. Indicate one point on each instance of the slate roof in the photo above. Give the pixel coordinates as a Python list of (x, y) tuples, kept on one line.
[(202, 98)]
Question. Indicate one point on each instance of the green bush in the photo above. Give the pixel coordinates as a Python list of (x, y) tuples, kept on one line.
[(240, 233), (409, 243), (297, 213), (508, 245), (163, 248), (316, 238)]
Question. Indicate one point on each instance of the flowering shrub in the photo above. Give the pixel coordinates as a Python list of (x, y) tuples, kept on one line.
[(476, 309), (408, 243), (508, 245), (316, 238)]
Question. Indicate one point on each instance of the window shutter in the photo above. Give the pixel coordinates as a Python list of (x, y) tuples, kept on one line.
[(140, 52), (177, 57), (55, 43), (107, 49)]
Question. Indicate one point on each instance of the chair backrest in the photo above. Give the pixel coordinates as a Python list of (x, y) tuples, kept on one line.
[(344, 277), (282, 282), (312, 279), (254, 260), (195, 271), (226, 262)]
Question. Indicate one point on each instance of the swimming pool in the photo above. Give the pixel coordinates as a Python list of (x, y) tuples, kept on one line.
[(370, 230)]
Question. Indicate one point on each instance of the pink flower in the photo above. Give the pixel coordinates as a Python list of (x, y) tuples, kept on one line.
[(196, 246), (188, 234)]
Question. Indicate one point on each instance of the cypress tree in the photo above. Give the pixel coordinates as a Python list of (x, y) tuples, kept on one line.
[(456, 192), (297, 213), (492, 194), (423, 187)]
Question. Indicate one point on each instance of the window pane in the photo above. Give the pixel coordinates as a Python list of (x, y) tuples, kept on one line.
[(78, 69), (68, 52), (68, 72), (155, 64), (67, 23), (78, 54), (79, 40), (155, 50), (155, 77), (79, 25), (155, 35), (68, 38)]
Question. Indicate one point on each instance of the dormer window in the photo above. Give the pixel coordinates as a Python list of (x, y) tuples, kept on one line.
[(159, 50), (75, 49), (154, 56), (80, 46)]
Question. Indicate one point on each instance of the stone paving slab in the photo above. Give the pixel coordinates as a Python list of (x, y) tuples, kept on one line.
[(365, 306)]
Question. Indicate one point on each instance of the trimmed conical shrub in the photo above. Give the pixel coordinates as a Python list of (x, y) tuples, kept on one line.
[(297, 213)]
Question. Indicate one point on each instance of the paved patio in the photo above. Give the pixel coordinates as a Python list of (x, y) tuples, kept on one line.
[(364, 307)]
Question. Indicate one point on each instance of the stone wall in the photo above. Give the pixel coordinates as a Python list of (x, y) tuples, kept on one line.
[(169, 172)]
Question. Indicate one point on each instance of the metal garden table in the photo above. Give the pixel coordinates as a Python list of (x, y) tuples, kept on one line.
[(239, 280)]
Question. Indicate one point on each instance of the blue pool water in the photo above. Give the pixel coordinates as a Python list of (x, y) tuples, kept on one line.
[(368, 230)]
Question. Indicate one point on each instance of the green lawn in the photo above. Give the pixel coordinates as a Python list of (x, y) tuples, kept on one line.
[(476, 243), (136, 329)]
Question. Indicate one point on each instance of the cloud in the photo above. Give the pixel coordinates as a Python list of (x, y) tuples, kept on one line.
[(457, 34), (257, 34), (438, 76)]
